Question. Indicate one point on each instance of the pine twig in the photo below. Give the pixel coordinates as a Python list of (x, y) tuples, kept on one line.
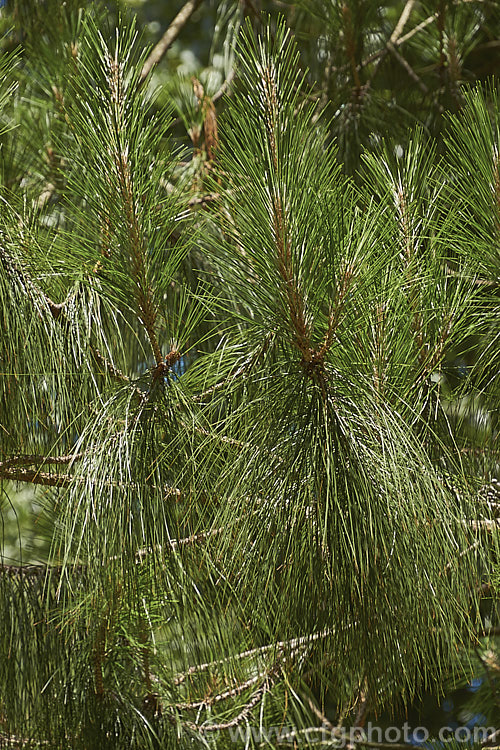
[(398, 30), (461, 554), (225, 86), (159, 50), (383, 52), (326, 724), (294, 644), (186, 541), (257, 696), (33, 460), (64, 480), (406, 65), (491, 738), (229, 693), (395, 36), (393, 40), (202, 200), (37, 477), (114, 371)]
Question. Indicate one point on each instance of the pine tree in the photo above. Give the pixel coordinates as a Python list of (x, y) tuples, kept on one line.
[(253, 378)]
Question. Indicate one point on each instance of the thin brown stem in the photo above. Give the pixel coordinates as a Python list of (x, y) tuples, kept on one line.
[(33, 460), (256, 698), (406, 65), (37, 477), (403, 18), (321, 716), (229, 693), (142, 290), (159, 50), (114, 371), (393, 40), (98, 658), (295, 301), (350, 45)]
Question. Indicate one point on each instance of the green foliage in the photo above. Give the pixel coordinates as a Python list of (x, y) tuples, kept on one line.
[(236, 371)]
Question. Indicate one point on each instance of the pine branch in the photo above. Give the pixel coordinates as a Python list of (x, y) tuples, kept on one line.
[(230, 693), (32, 460), (461, 554), (225, 86), (37, 477), (26, 571), (169, 37), (56, 309), (143, 292), (255, 700), (406, 65), (384, 51), (315, 506), (203, 200), (404, 17), (311, 359), (65, 480), (325, 722), (114, 371), (243, 369), (16, 742), (186, 541), (293, 644), (476, 281)]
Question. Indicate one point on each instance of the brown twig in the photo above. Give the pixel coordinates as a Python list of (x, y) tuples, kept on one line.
[(326, 724), (11, 740), (363, 696), (56, 309), (406, 65), (383, 52), (294, 644), (294, 298), (464, 552), (30, 287), (229, 693), (266, 686), (203, 199), (168, 38), (491, 738), (37, 477), (225, 86), (206, 105), (33, 460), (403, 18), (393, 40), (476, 281), (65, 480), (125, 177), (350, 44), (215, 436), (245, 368), (488, 524), (186, 541), (27, 571), (114, 371)]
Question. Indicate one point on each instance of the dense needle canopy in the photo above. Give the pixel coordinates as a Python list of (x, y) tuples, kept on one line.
[(232, 370)]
